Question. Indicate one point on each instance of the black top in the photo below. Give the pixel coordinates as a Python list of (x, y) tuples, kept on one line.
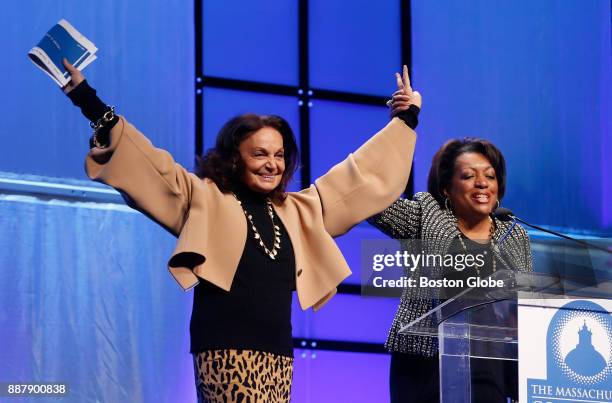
[(471, 248), (256, 313), (478, 248)]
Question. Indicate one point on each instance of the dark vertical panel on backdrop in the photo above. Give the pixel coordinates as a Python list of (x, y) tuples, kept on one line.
[(199, 72), (406, 55), (304, 92)]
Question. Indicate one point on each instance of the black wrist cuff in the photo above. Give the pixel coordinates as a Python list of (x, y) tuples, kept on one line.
[(410, 116), (85, 98)]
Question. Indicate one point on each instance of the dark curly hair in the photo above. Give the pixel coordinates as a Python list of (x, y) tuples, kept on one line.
[(223, 165), (443, 165)]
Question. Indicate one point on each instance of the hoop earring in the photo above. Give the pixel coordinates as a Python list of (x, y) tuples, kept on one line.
[(449, 211), (447, 205), (498, 203)]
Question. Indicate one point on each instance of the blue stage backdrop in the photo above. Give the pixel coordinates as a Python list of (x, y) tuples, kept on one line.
[(145, 68), (85, 295), (534, 77), (86, 300)]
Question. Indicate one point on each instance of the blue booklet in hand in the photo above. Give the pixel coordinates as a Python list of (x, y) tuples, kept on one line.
[(62, 41)]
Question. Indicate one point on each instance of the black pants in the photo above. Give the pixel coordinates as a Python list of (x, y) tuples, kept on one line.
[(416, 379)]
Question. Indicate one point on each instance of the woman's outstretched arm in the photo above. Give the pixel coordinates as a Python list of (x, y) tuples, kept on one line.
[(375, 175), (120, 156)]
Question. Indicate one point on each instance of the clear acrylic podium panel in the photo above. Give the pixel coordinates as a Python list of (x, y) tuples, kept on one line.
[(487, 331), (483, 324)]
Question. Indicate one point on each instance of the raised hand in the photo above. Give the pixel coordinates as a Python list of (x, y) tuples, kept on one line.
[(76, 77), (404, 96)]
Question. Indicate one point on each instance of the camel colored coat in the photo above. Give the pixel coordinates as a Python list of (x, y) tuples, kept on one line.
[(211, 226)]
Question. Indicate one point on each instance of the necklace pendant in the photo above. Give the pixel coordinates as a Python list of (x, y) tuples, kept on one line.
[(272, 254)]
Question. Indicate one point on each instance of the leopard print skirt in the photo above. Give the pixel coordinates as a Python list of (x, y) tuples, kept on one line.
[(244, 376)]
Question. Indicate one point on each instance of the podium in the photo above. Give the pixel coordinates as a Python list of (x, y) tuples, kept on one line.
[(481, 324)]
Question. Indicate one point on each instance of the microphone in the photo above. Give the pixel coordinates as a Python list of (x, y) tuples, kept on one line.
[(504, 214)]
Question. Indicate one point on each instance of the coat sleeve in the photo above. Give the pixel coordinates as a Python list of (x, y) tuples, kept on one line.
[(401, 220), (527, 264), (516, 250), (148, 178), (368, 180)]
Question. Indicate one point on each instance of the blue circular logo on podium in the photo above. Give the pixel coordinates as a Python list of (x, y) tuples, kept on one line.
[(579, 344)]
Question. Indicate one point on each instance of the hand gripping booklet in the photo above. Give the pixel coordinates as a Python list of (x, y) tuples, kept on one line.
[(62, 41)]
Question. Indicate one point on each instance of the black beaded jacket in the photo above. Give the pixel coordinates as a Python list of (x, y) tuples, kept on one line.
[(423, 218)]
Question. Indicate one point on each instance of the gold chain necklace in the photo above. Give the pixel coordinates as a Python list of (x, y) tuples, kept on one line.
[(277, 240), (491, 232)]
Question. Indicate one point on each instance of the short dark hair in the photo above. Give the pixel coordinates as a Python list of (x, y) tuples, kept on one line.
[(222, 163), (443, 165)]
